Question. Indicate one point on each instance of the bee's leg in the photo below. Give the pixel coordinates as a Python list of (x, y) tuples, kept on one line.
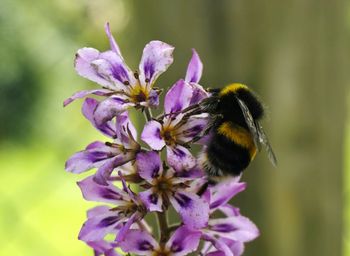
[(210, 125), (205, 186)]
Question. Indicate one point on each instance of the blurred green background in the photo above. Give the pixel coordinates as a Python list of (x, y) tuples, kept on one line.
[(294, 53)]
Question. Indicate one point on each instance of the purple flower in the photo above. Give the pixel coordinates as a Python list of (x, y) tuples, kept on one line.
[(182, 242), (103, 220), (103, 248), (176, 130), (109, 155), (125, 88), (166, 187), (193, 75), (227, 234)]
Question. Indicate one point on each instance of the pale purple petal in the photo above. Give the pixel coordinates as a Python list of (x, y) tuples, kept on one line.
[(156, 58), (109, 108), (127, 189), (151, 134), (149, 165), (138, 242), (103, 248), (194, 69), (96, 228), (126, 227), (82, 94), (198, 93), (152, 200), (194, 210), (104, 172), (224, 191), (216, 253), (95, 155), (194, 126), (178, 97), (95, 192), (218, 244), (229, 210), (83, 65), (191, 174), (98, 210), (180, 158), (237, 247), (153, 98), (237, 228), (88, 110), (111, 66), (112, 42), (125, 130), (221, 246), (183, 241)]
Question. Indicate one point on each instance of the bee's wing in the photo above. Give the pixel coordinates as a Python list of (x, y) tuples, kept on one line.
[(250, 122), (264, 140)]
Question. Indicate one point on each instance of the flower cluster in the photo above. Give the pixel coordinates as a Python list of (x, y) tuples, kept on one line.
[(133, 181)]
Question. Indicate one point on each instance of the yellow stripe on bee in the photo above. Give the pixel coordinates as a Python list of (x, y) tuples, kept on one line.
[(232, 88), (238, 135)]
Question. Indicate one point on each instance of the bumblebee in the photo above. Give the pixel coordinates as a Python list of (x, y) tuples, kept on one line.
[(236, 134)]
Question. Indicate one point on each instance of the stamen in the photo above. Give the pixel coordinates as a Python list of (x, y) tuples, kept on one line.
[(136, 75)]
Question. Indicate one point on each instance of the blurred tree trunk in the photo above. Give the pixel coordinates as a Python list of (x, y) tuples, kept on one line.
[(294, 54)]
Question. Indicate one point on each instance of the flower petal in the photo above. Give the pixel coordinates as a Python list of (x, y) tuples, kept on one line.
[(194, 126), (88, 110), (194, 210), (82, 94), (229, 210), (218, 244), (153, 201), (238, 228), (180, 158), (109, 108), (112, 67), (224, 191), (194, 69), (198, 93), (96, 228), (95, 155), (104, 172), (178, 97), (236, 247), (108, 194), (112, 42), (97, 210), (103, 248), (183, 241), (125, 228), (83, 60), (156, 58), (125, 130), (151, 134), (149, 165), (138, 242)]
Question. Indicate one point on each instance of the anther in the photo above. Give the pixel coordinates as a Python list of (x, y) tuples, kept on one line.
[(147, 80), (126, 83), (136, 75)]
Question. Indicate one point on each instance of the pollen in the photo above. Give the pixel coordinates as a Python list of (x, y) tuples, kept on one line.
[(139, 94), (168, 134)]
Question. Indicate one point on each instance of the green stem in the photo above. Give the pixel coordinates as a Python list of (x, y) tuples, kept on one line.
[(148, 114), (163, 227)]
